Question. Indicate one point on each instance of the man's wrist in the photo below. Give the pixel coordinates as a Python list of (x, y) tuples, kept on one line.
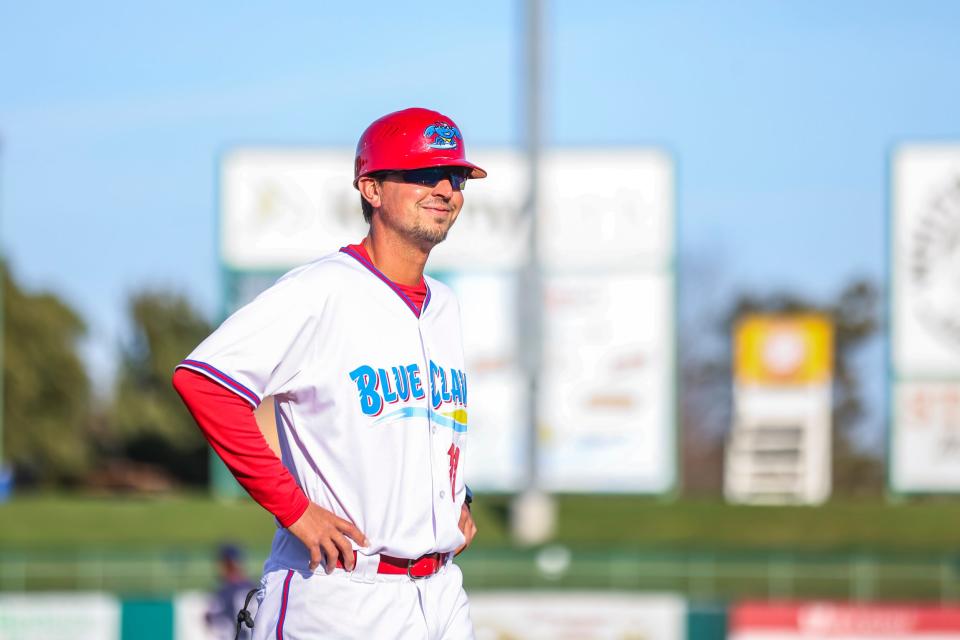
[(468, 496)]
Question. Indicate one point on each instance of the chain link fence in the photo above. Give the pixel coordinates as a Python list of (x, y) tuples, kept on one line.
[(699, 576)]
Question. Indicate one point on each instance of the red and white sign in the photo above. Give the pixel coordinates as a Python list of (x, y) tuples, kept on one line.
[(843, 621), (925, 451)]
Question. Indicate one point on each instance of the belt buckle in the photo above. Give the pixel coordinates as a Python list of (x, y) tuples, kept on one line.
[(410, 564)]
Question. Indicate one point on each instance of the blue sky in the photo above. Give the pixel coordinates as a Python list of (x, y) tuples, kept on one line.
[(781, 116)]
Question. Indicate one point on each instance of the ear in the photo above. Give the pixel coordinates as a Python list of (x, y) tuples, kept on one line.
[(370, 190), (430, 130), (456, 132)]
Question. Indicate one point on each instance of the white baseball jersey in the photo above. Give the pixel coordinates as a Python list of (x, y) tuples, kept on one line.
[(371, 399)]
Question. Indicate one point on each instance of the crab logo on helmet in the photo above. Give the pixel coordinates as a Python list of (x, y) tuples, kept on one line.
[(446, 135)]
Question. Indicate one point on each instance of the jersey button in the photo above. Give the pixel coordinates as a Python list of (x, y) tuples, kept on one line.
[(433, 429), (443, 494)]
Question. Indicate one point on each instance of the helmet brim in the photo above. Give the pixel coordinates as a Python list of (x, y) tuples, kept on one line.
[(475, 171)]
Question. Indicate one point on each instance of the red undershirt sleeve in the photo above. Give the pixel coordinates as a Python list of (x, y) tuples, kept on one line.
[(228, 424)]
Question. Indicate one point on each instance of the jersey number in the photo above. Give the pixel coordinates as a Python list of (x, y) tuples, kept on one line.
[(454, 453)]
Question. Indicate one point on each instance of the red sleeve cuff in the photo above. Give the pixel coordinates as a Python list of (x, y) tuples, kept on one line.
[(299, 506)]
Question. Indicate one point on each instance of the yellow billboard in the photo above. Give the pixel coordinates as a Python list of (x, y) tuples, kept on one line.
[(783, 349)]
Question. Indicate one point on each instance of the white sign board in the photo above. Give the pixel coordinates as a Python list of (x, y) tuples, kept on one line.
[(925, 317), (926, 261), (606, 394), (498, 389), (282, 207), (599, 208), (59, 616), (606, 208), (925, 451), (527, 615), (606, 402)]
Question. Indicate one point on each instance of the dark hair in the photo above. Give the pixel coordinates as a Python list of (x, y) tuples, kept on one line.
[(367, 209), (230, 552), (365, 206)]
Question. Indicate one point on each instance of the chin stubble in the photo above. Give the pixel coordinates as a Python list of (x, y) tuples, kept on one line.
[(423, 234), (428, 234)]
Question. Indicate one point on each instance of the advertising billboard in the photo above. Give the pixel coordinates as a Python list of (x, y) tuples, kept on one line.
[(529, 615), (59, 616), (843, 621), (925, 317)]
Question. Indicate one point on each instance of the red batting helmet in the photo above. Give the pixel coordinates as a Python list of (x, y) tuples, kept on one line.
[(411, 139)]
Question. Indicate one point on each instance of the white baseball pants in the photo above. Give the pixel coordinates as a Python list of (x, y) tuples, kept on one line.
[(362, 605)]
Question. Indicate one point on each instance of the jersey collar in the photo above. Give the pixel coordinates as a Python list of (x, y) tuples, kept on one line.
[(369, 265)]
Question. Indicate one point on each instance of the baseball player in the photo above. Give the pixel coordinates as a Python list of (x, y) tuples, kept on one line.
[(232, 590), (362, 354)]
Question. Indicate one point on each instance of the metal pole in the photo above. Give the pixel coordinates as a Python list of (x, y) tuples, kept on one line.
[(533, 513), (6, 472), (3, 325), (532, 293)]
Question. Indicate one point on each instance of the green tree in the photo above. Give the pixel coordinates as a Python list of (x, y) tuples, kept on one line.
[(148, 422), (46, 409)]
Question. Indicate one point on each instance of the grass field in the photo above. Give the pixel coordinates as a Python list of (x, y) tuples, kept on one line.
[(707, 550), (58, 522)]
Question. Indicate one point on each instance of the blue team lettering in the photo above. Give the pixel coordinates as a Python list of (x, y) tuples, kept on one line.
[(447, 386), (377, 387), (367, 382), (416, 387), (402, 377)]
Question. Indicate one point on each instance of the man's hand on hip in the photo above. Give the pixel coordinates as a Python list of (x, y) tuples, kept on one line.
[(467, 526), (325, 534)]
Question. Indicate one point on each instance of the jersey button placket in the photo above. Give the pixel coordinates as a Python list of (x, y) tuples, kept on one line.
[(432, 424)]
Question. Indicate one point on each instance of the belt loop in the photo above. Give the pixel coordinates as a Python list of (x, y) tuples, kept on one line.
[(365, 569)]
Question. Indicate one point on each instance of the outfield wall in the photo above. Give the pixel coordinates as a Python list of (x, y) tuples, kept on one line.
[(517, 615)]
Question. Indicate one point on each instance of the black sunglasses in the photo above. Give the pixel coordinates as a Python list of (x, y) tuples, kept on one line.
[(430, 176)]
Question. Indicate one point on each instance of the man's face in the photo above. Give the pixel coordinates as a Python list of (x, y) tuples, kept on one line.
[(418, 212)]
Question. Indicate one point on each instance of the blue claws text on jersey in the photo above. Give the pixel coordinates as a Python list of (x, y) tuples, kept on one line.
[(379, 387)]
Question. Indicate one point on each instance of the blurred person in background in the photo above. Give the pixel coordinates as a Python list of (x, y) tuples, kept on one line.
[(230, 596)]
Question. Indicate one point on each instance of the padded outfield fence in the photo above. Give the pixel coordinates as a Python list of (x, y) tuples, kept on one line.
[(702, 576)]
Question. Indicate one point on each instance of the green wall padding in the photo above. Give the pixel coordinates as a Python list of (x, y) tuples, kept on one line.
[(706, 622), (146, 619)]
